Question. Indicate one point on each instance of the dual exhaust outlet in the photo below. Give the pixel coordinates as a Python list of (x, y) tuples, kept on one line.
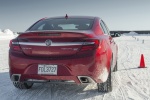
[(82, 79)]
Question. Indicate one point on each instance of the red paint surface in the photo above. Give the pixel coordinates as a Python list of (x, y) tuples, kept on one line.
[(86, 61)]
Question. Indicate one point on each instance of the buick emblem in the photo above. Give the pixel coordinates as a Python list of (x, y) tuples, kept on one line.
[(48, 42)]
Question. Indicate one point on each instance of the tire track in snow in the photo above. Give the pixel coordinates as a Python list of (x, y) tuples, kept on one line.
[(129, 57), (123, 58), (103, 97), (119, 88), (141, 94), (21, 94), (122, 55), (132, 75)]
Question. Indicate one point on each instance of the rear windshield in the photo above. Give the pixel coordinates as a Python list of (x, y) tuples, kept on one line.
[(63, 24)]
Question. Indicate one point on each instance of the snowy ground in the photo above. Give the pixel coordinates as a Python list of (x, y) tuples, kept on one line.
[(129, 82)]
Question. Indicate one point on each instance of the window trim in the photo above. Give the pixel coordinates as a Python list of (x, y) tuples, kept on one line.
[(104, 28)]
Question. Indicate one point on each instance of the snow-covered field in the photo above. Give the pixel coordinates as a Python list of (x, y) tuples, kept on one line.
[(129, 82)]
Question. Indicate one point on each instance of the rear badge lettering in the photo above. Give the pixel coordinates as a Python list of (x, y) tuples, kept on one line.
[(75, 49), (27, 48)]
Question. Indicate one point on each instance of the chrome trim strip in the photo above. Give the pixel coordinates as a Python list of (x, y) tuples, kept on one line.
[(15, 42), (56, 43), (58, 82), (32, 44), (66, 43), (87, 43)]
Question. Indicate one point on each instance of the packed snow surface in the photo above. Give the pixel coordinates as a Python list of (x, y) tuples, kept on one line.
[(129, 82)]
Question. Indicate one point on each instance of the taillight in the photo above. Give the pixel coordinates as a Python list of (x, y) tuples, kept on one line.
[(90, 45), (14, 45)]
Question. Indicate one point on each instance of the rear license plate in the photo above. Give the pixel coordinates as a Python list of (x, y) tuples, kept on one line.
[(47, 69)]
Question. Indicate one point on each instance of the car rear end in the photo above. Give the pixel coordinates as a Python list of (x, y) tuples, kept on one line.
[(65, 51)]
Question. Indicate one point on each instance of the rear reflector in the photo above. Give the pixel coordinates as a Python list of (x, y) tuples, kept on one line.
[(16, 48)]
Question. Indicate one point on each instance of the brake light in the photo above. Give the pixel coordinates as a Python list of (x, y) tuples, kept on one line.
[(90, 45), (14, 45)]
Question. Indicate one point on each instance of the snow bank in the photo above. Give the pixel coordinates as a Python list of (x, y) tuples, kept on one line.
[(6, 34), (131, 34), (8, 31), (134, 34), (1, 31)]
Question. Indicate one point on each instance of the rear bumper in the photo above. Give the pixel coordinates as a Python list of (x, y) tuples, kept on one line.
[(92, 68), (52, 79)]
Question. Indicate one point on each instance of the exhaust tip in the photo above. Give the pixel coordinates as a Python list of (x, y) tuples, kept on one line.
[(15, 77), (85, 79)]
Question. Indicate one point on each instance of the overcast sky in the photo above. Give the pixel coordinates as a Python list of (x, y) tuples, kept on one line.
[(18, 15)]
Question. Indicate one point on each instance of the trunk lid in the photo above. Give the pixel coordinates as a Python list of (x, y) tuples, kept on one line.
[(52, 43)]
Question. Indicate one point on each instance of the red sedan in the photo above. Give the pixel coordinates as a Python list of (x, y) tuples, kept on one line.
[(69, 49)]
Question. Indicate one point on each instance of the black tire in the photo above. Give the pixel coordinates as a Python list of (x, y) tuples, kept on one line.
[(106, 86), (22, 85), (116, 67)]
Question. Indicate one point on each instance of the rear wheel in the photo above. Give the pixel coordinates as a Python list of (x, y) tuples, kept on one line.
[(22, 85), (106, 86)]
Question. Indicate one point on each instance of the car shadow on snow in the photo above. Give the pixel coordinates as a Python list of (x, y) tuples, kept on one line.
[(130, 68), (45, 91)]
